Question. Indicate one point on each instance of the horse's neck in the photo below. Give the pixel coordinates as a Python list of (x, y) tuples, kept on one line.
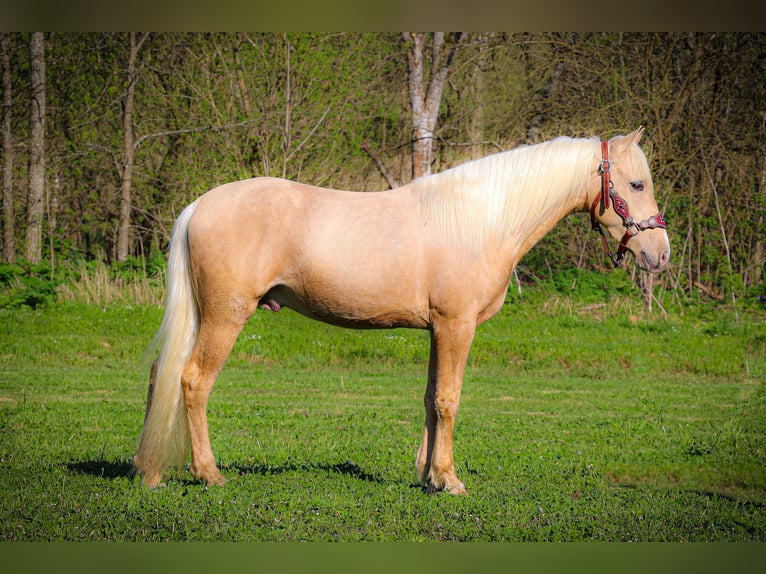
[(519, 240), (530, 217)]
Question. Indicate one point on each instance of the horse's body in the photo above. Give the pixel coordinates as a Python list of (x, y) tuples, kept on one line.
[(435, 254)]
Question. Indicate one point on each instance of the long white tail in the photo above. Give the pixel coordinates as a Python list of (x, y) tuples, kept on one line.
[(164, 440)]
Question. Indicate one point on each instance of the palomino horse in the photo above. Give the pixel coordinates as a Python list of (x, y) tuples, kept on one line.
[(435, 254)]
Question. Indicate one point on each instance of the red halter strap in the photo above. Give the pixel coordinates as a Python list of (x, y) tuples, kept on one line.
[(620, 207), (607, 186)]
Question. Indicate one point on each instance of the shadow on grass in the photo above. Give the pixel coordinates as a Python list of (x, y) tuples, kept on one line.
[(347, 468), (111, 470), (108, 469)]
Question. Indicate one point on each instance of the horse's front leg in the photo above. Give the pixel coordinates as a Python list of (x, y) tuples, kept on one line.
[(450, 345)]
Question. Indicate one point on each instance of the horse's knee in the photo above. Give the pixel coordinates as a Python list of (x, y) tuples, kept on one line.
[(190, 383)]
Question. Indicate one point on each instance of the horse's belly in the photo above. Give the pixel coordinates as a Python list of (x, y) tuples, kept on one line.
[(373, 310)]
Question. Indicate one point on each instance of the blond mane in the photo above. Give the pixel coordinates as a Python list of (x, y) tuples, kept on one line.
[(500, 193)]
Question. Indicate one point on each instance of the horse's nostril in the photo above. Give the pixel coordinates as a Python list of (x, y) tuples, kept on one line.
[(652, 264)]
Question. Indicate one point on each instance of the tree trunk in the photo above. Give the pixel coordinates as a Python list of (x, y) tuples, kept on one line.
[(9, 247), (426, 98), (477, 95), (128, 153), (35, 205)]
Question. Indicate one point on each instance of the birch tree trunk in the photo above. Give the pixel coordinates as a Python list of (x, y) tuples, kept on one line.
[(9, 247), (35, 205), (425, 96)]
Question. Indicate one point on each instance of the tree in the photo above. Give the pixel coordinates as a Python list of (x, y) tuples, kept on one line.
[(128, 152), (425, 97), (9, 247), (36, 194)]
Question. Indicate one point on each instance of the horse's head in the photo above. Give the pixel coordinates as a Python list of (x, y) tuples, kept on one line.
[(624, 203)]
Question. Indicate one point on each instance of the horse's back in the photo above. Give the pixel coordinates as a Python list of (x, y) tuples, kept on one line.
[(321, 219)]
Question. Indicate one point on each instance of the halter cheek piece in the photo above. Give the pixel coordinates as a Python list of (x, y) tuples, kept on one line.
[(621, 208)]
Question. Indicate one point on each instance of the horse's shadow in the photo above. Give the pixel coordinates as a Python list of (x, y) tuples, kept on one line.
[(346, 468), (106, 469), (114, 469)]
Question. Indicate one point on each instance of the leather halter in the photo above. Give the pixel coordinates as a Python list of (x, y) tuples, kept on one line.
[(621, 208)]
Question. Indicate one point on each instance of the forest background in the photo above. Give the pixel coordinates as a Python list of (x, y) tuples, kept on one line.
[(107, 136)]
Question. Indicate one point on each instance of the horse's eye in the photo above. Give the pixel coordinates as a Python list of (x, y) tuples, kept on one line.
[(637, 185)]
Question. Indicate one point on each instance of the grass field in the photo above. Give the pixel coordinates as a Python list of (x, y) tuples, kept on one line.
[(575, 424)]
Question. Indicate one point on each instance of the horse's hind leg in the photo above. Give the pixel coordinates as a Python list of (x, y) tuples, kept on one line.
[(214, 343)]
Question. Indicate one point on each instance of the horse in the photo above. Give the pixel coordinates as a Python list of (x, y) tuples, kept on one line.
[(435, 254)]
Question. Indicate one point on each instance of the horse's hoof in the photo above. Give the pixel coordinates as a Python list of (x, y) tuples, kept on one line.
[(455, 489), (214, 478), (154, 481)]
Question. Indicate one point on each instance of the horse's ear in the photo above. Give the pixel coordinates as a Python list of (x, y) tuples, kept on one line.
[(621, 144)]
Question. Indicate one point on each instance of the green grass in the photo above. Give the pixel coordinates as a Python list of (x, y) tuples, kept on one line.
[(572, 427)]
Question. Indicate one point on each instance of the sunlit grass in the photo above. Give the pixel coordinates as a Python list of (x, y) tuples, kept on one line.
[(571, 427)]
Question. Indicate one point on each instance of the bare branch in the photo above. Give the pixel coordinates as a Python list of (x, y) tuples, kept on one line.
[(387, 175), (311, 133), (192, 130)]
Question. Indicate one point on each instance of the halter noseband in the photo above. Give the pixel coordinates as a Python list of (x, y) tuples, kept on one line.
[(620, 208)]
